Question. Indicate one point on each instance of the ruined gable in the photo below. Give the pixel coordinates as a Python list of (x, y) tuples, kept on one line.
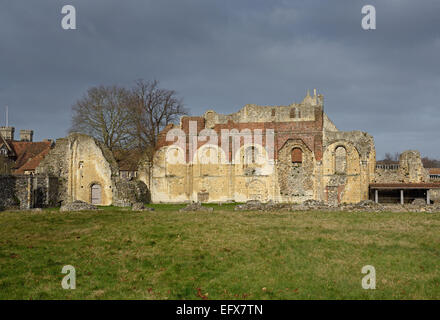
[(81, 162)]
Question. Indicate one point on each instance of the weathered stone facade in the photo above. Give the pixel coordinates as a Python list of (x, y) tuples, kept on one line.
[(28, 191), (271, 154), (81, 164), (409, 170), (334, 166)]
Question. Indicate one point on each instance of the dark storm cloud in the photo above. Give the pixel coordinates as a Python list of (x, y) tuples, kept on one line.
[(223, 54)]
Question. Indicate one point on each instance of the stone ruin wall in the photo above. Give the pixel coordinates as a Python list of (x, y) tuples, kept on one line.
[(79, 161), (409, 170), (276, 179), (195, 181), (434, 195), (28, 191), (350, 183)]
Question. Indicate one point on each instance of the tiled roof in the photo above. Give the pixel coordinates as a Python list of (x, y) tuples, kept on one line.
[(387, 162), (404, 185), (434, 170), (29, 154)]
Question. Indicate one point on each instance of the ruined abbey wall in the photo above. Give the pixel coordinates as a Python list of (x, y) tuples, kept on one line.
[(333, 166), (80, 162), (346, 176), (26, 191), (409, 170)]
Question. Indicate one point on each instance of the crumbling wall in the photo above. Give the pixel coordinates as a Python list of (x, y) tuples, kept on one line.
[(348, 160), (411, 167), (27, 191), (434, 195), (387, 174), (56, 164), (80, 161), (129, 192), (296, 180), (300, 125), (409, 170), (8, 192)]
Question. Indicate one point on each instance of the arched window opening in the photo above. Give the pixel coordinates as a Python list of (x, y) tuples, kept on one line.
[(293, 113), (297, 156), (250, 156), (340, 160)]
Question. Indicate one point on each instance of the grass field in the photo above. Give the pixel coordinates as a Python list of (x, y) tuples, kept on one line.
[(119, 254)]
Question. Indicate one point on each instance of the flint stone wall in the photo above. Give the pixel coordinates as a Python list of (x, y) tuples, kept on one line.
[(26, 191), (434, 195), (129, 192)]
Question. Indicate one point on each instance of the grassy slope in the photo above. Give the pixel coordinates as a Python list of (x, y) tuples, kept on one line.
[(228, 255)]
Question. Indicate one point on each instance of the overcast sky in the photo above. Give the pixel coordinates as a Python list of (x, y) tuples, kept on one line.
[(224, 54)]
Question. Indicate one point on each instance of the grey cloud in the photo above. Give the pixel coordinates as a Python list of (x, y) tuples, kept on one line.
[(224, 54)]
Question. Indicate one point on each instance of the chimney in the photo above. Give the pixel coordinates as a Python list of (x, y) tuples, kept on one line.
[(7, 132), (26, 135)]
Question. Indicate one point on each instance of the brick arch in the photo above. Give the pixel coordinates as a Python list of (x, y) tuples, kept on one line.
[(296, 180), (296, 155), (334, 144)]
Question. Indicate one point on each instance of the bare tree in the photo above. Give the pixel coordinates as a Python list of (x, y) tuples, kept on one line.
[(153, 108), (430, 163), (391, 157), (104, 114)]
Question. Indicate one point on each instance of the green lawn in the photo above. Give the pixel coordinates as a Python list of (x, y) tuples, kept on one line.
[(119, 254)]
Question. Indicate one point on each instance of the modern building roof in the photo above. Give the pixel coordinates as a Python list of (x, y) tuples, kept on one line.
[(404, 186), (433, 170)]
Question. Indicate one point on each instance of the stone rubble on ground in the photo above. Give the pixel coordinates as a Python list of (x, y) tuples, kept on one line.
[(196, 206), (139, 206), (419, 205), (419, 202), (77, 205), (122, 203)]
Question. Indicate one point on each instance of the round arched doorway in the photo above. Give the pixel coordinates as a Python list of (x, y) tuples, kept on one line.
[(96, 193)]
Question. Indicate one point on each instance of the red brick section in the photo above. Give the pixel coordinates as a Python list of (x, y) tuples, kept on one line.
[(434, 170), (404, 185), (297, 155), (310, 132)]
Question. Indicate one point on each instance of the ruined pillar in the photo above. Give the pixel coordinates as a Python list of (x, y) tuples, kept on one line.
[(402, 200), (29, 193), (376, 196)]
